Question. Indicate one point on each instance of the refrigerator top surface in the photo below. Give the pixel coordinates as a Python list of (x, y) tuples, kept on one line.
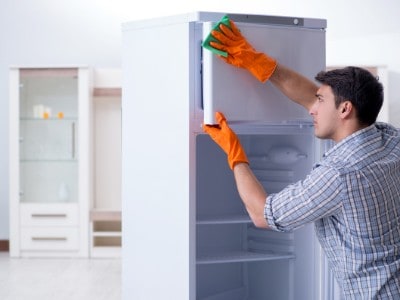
[(202, 16)]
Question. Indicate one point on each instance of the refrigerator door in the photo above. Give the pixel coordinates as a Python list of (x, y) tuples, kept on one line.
[(240, 96)]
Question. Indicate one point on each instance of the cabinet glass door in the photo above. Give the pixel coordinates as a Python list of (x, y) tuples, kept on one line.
[(48, 135)]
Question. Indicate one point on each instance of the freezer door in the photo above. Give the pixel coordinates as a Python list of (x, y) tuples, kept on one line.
[(240, 96)]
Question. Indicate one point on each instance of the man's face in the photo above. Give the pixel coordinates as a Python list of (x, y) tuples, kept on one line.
[(325, 114)]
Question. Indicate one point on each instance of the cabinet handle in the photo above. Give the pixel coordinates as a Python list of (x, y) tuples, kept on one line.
[(46, 239), (73, 140), (49, 215)]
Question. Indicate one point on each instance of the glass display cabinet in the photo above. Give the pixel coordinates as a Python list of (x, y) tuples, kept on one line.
[(50, 161)]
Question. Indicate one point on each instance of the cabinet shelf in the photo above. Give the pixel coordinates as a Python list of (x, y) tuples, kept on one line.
[(49, 119), (241, 256), (107, 233), (72, 160)]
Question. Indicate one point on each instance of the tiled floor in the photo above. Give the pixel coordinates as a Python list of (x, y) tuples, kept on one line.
[(59, 279)]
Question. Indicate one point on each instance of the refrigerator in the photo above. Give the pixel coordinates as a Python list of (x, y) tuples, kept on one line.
[(186, 234)]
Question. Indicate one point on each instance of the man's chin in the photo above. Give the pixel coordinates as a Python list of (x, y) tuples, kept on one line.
[(320, 136)]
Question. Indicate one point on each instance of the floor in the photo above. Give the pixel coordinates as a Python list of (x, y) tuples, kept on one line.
[(59, 279)]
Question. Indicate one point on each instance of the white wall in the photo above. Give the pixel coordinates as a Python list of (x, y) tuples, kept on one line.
[(36, 32), (47, 32)]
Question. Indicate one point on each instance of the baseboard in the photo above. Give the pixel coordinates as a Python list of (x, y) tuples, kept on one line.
[(4, 245)]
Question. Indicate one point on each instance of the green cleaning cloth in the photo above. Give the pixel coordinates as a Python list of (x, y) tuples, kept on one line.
[(210, 38)]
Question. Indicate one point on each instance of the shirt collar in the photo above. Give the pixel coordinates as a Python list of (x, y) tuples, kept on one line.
[(351, 139)]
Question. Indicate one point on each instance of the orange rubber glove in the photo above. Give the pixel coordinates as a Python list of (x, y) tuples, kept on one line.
[(227, 140), (241, 54)]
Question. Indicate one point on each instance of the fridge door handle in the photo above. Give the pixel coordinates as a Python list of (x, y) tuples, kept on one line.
[(207, 80)]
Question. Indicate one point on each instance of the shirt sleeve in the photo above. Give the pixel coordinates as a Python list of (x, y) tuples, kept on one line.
[(315, 197)]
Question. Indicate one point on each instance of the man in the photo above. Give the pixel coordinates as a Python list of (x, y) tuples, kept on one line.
[(353, 194)]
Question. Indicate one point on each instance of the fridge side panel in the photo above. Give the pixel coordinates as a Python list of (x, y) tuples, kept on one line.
[(155, 162), (240, 96)]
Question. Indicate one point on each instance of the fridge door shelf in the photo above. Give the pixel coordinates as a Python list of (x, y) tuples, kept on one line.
[(242, 256)]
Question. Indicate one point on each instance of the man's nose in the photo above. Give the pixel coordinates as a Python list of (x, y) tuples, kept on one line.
[(312, 110)]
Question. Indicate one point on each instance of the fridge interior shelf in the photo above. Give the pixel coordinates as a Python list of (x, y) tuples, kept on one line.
[(242, 256), (238, 293), (232, 219)]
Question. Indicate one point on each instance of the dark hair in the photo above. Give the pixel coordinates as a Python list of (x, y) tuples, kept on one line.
[(358, 86)]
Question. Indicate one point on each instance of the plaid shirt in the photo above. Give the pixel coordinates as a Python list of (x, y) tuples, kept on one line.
[(353, 196)]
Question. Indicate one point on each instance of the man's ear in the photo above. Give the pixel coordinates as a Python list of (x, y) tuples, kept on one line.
[(346, 108)]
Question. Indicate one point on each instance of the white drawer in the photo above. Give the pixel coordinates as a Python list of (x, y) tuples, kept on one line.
[(36, 238), (49, 214)]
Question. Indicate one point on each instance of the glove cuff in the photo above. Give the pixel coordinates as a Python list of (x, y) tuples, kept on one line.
[(262, 67), (237, 155), (232, 165)]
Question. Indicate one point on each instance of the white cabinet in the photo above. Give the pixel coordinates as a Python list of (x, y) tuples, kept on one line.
[(50, 161)]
